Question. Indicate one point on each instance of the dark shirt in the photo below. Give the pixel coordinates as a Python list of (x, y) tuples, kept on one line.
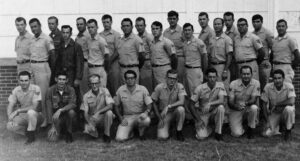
[(70, 59), (57, 38)]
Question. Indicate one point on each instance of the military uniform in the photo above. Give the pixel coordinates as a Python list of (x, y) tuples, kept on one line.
[(176, 37), (287, 114), (206, 34), (204, 95), (161, 52), (283, 48), (57, 38), (22, 45), (25, 121), (164, 96), (133, 105), (241, 94), (232, 33)]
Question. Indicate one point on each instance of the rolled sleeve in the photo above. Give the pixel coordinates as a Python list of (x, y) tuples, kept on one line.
[(196, 94), (117, 98), (37, 96), (181, 91), (256, 90), (50, 44), (13, 97), (228, 45), (293, 44), (147, 98), (169, 47), (291, 91), (201, 47), (155, 94), (108, 98), (257, 43), (84, 106)]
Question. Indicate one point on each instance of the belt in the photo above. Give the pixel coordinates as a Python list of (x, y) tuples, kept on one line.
[(34, 61), (85, 60), (128, 66), (187, 66), (217, 63), (180, 55), (279, 63), (245, 61), (147, 59), (94, 66), (156, 65), (23, 61)]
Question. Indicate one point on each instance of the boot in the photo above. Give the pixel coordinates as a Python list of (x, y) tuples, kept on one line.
[(250, 133), (30, 137), (218, 137), (179, 135), (287, 135), (68, 137), (106, 138)]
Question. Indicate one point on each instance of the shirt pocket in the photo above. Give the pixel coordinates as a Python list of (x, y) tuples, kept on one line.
[(55, 101)]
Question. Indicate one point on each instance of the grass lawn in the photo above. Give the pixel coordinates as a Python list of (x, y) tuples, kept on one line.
[(12, 148)]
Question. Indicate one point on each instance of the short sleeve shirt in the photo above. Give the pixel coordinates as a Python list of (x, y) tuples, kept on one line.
[(246, 47), (193, 50), (266, 38), (147, 38), (93, 103), (219, 48), (164, 96), (283, 48), (82, 40), (206, 34), (111, 38), (161, 51), (270, 93), (40, 47), (203, 94), (22, 45), (232, 33), (129, 49), (176, 37), (243, 93), (133, 103), (25, 98), (97, 49)]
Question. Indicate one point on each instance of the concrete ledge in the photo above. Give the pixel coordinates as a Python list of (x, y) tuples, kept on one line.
[(8, 61)]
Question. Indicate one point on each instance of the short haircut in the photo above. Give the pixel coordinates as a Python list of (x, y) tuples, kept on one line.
[(171, 71), (173, 13), (218, 18), (66, 27), (245, 67), (280, 21), (203, 14), (211, 70), (126, 19), (279, 71), (242, 19), (106, 16), (156, 23), (130, 72), (19, 19), (60, 73), (188, 25), (141, 19), (257, 16), (81, 18), (93, 21), (228, 13), (24, 73), (53, 17), (94, 76), (35, 20)]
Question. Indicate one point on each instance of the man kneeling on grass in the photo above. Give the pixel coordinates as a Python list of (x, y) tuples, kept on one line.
[(97, 106), (279, 106), (210, 97), (24, 118), (60, 102)]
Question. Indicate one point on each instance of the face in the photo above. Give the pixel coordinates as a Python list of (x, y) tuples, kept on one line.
[(140, 26), (218, 25), (81, 26), (212, 78), (228, 20), (52, 24), (35, 28), (278, 80), (246, 75), (203, 21), (188, 32), (93, 28), (21, 26), (171, 79), (94, 83), (24, 81), (66, 33), (130, 80), (107, 24), (126, 27), (257, 24), (173, 20), (156, 31), (61, 80), (281, 28), (242, 27)]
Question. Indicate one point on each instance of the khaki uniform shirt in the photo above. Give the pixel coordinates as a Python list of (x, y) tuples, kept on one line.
[(271, 94), (82, 40), (111, 38), (40, 47), (219, 48), (176, 37), (97, 49), (161, 51), (243, 93), (283, 48), (22, 45), (266, 38), (25, 99), (206, 34), (147, 38), (193, 50), (232, 33)]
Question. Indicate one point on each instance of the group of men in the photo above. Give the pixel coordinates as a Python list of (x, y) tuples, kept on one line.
[(100, 76)]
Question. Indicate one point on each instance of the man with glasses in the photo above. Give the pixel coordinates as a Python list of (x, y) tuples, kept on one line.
[(97, 106), (135, 103), (169, 105)]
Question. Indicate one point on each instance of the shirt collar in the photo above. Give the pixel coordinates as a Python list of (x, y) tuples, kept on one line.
[(65, 90), (71, 42), (55, 32), (283, 87), (91, 94), (242, 84), (284, 37), (129, 37), (177, 29), (232, 29), (206, 29), (108, 32), (165, 86)]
